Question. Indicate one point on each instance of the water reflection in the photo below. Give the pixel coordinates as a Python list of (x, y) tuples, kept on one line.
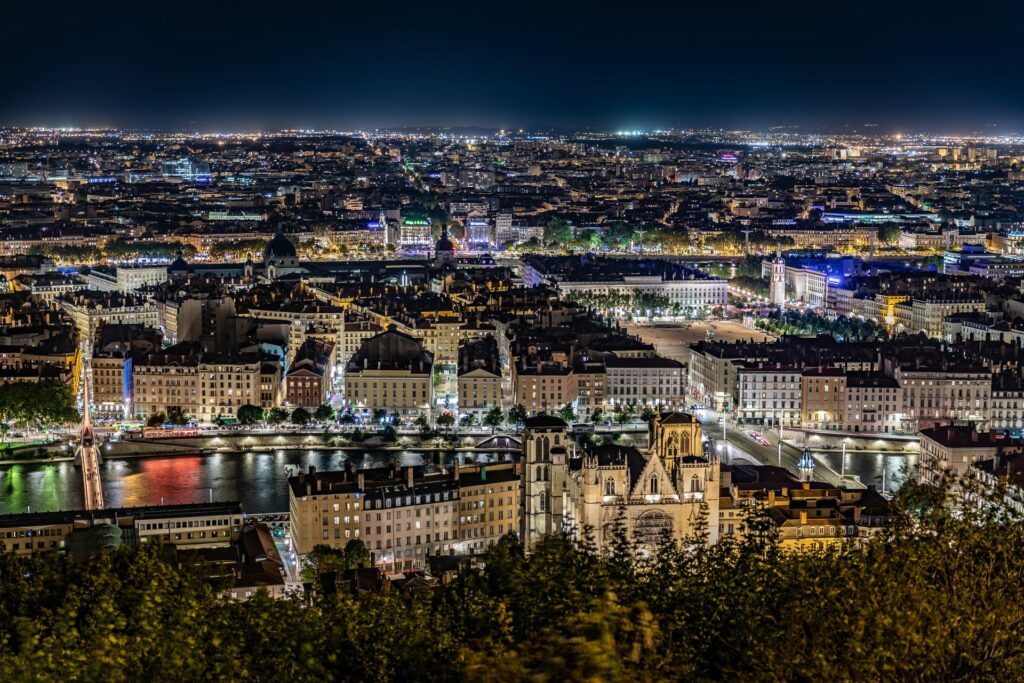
[(868, 467), (256, 479)]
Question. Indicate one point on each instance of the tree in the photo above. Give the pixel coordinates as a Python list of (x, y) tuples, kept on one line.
[(567, 413), (493, 418), (249, 414), (379, 414), (177, 416), (324, 413), (647, 414), (300, 416), (942, 580), (624, 413), (467, 420), (446, 420), (558, 232), (320, 560), (517, 415), (276, 416), (424, 426), (620, 236), (37, 404), (889, 234), (156, 420), (356, 554), (389, 434), (597, 415)]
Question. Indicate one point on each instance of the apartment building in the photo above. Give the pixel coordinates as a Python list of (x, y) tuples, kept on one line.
[(480, 379), (770, 394), (644, 382), (393, 372)]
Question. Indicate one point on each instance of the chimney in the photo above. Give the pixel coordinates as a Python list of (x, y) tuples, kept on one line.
[(483, 473), (360, 480), (974, 436), (409, 476), (803, 517), (455, 472)]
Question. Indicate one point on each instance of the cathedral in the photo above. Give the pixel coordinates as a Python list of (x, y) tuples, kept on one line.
[(662, 490)]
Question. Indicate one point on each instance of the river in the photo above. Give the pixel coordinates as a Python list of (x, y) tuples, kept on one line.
[(868, 467), (259, 479), (256, 479)]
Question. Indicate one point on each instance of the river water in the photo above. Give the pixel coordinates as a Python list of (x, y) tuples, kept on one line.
[(258, 480), (868, 467)]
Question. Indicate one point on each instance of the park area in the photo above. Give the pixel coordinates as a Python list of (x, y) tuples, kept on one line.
[(673, 340)]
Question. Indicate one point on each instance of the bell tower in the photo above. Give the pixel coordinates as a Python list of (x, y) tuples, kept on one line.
[(778, 283), (545, 473), (675, 436)]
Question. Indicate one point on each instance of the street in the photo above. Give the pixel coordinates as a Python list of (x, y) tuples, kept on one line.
[(739, 443)]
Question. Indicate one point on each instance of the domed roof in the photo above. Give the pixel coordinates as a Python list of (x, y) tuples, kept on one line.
[(444, 244), (806, 462), (178, 264), (279, 247)]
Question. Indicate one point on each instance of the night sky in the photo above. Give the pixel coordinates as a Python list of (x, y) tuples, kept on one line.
[(942, 65)]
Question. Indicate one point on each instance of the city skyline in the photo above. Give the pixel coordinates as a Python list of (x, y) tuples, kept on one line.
[(569, 66)]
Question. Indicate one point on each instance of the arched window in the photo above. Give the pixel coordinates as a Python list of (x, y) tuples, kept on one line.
[(654, 484), (543, 502), (609, 487), (695, 484), (546, 473), (540, 473), (545, 449)]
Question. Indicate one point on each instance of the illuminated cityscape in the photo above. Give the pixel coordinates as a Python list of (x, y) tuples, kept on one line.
[(673, 370)]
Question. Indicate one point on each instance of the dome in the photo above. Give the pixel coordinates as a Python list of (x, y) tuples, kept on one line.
[(279, 247), (806, 462), (444, 245), (179, 264)]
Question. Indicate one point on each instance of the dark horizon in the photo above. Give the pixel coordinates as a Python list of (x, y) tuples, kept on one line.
[(268, 66)]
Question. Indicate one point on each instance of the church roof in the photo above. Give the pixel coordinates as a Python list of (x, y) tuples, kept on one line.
[(279, 247), (545, 421), (676, 418)]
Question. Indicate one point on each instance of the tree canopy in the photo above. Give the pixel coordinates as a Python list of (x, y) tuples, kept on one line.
[(936, 596), (249, 414), (37, 404), (557, 231)]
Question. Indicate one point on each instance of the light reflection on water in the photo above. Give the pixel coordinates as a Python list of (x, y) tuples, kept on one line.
[(259, 479), (869, 466), (256, 479)]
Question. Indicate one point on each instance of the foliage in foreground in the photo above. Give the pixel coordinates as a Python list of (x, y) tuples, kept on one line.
[(939, 597)]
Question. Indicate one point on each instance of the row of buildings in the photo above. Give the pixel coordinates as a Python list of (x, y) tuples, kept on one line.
[(892, 387), (671, 489)]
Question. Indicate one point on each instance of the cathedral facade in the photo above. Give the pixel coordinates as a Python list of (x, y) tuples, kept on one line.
[(671, 489)]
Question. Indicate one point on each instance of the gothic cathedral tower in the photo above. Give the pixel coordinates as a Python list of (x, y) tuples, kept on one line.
[(545, 470)]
